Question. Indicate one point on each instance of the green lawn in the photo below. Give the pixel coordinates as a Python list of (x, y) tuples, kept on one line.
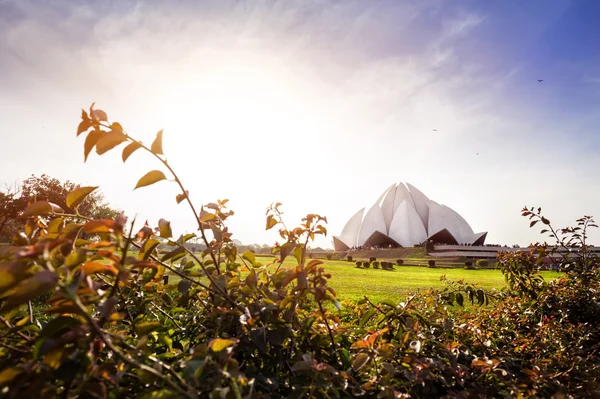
[(352, 284)]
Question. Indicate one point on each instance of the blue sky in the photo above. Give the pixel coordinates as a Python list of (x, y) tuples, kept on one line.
[(319, 105)]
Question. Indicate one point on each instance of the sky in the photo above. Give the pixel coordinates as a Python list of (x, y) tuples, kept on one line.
[(320, 105)]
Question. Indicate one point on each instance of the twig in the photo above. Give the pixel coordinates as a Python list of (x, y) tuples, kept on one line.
[(100, 333), (168, 316), (12, 348)]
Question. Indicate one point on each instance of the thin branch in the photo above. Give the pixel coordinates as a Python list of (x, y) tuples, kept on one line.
[(166, 315), (12, 348), (100, 333)]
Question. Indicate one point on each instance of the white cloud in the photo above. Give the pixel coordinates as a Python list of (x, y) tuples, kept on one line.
[(318, 107)]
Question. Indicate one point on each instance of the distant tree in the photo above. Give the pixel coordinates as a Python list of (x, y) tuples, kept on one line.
[(10, 206), (46, 188)]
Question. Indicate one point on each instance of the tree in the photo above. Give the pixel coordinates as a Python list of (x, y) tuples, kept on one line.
[(10, 207), (47, 188)]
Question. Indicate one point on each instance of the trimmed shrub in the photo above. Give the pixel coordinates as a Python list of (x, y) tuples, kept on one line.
[(399, 262), (358, 263), (366, 265), (349, 258), (372, 259), (469, 265), (328, 256), (375, 265), (483, 263), (431, 263)]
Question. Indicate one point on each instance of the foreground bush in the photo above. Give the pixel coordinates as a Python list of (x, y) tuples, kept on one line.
[(89, 318)]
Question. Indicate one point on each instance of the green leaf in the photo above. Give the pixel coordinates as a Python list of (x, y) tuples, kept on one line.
[(147, 248), (75, 258), (219, 344), (207, 217), (56, 326), (146, 328), (164, 228), (130, 149), (10, 275), (389, 302), (173, 253), (271, 222), (77, 196), (460, 299), (28, 289), (150, 178), (41, 208), (108, 141), (298, 253), (480, 297), (366, 317), (249, 256), (286, 249), (157, 144), (360, 361), (90, 142), (8, 374)]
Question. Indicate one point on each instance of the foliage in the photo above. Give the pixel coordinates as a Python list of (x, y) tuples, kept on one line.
[(431, 263), (482, 263), (233, 327), (399, 262), (51, 190)]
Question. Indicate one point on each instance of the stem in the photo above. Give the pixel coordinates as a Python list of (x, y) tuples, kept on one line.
[(134, 363), (166, 315), (30, 310), (180, 184), (12, 348)]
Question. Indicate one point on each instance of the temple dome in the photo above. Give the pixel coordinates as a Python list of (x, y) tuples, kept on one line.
[(404, 216)]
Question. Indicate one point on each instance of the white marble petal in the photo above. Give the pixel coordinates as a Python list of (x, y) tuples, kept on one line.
[(407, 228), (478, 236), (349, 235), (382, 196), (437, 220), (421, 204), (372, 222), (402, 194), (387, 207), (464, 233)]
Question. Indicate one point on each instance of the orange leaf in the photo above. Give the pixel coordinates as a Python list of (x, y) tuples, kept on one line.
[(98, 267)]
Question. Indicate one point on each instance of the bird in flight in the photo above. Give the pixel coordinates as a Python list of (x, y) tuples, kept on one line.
[(435, 130), (540, 80)]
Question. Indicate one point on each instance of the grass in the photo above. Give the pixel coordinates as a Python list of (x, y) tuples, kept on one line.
[(351, 283)]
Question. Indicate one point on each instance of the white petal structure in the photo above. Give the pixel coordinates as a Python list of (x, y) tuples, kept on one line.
[(387, 206), (349, 236), (421, 203), (372, 222), (407, 228), (404, 216)]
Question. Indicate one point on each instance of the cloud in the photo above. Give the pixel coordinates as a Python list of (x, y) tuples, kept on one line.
[(316, 104)]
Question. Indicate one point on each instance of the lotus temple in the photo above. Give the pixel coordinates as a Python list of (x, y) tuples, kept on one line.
[(404, 216)]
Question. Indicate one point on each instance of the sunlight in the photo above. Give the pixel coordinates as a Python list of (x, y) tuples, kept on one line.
[(244, 100)]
